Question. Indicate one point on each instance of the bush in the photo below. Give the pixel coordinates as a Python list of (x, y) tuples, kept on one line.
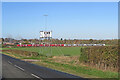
[(103, 57)]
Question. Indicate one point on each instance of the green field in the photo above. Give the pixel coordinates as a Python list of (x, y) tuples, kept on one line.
[(56, 51)]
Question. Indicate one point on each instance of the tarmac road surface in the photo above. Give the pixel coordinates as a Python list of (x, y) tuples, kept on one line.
[(13, 68)]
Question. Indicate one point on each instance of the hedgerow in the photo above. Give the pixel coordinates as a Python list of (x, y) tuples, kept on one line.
[(101, 57)]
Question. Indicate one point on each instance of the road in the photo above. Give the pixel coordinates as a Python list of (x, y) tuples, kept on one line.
[(15, 68)]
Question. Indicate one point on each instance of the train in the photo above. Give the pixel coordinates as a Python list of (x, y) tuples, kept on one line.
[(57, 45)]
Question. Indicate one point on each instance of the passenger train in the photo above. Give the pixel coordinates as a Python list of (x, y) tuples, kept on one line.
[(55, 45)]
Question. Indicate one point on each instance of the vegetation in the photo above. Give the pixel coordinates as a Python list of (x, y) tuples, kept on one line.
[(90, 41), (105, 57), (56, 51), (91, 62), (79, 70), (61, 41), (22, 53)]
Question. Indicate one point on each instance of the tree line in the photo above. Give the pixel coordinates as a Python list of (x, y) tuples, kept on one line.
[(62, 41)]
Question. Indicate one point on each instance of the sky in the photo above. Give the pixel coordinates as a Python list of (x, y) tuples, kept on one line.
[(67, 20)]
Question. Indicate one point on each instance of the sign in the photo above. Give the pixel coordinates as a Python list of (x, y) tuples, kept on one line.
[(45, 34)]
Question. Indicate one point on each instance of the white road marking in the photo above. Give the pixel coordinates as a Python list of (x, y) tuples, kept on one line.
[(35, 76), (31, 74), (19, 67), (9, 62)]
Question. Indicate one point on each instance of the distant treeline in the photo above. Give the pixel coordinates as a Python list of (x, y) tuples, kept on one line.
[(62, 41), (90, 41), (105, 57)]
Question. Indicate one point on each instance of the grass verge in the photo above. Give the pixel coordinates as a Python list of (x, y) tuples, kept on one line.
[(78, 70)]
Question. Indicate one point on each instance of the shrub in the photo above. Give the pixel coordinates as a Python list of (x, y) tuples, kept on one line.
[(102, 57)]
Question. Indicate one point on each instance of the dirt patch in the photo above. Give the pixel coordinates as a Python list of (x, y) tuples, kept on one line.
[(30, 60), (66, 59)]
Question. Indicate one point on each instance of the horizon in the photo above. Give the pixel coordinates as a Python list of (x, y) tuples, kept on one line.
[(62, 39)]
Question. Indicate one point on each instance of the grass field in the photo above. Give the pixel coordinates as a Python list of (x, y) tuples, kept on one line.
[(56, 51)]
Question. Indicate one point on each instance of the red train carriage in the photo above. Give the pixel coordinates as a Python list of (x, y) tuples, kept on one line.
[(37, 45)]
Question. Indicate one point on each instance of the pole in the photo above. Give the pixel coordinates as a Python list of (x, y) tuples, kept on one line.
[(45, 22)]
